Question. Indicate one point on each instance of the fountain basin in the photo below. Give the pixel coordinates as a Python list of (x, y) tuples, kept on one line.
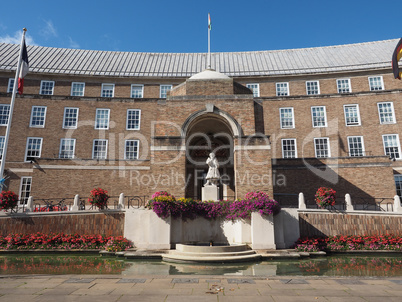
[(190, 253)]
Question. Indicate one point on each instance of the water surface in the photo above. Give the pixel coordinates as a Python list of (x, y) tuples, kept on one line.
[(338, 265)]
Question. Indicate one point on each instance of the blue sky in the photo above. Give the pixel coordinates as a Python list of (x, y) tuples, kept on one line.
[(181, 26)]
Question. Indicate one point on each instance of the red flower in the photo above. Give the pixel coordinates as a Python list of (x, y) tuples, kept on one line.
[(98, 197), (8, 200), (325, 197)]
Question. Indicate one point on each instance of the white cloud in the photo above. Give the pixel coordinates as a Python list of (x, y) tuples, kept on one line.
[(16, 39), (73, 44), (48, 30), (111, 42)]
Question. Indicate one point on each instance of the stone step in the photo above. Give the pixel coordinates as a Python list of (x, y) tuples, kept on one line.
[(210, 259), (211, 254), (206, 248)]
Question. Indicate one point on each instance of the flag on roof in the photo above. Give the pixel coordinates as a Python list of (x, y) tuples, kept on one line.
[(395, 59), (24, 68), (209, 22)]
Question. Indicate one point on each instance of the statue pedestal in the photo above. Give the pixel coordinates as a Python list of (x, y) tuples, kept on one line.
[(210, 192)]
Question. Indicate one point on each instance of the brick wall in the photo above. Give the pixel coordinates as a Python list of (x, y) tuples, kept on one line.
[(65, 183), (331, 224), (109, 224), (169, 172), (253, 171), (358, 176), (297, 84), (252, 117), (336, 131)]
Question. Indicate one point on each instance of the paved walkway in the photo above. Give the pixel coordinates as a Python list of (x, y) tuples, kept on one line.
[(112, 288)]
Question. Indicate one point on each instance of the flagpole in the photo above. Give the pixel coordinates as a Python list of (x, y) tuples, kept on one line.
[(10, 115), (209, 42)]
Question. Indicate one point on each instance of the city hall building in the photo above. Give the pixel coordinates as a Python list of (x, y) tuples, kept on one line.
[(282, 121)]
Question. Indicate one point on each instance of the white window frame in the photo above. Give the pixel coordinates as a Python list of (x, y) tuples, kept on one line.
[(32, 116), (255, 88), (22, 202), (42, 88), (77, 83), (2, 139), (374, 88), (139, 119), (142, 91), (325, 117), (398, 146), (26, 148), (125, 148), (315, 147), (61, 145), (358, 115), (398, 184), (295, 145), (339, 89), (278, 85), (318, 88), (98, 119), (8, 116), (64, 118), (392, 111), (93, 149), (10, 85), (363, 151), (164, 94), (103, 90), (281, 120)]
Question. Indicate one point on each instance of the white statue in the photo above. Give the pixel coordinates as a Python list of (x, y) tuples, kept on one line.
[(213, 172)]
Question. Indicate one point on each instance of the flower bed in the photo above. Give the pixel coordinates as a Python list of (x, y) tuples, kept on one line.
[(350, 243), (165, 205), (63, 242)]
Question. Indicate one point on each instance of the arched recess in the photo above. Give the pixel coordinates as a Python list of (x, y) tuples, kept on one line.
[(212, 111), (210, 131)]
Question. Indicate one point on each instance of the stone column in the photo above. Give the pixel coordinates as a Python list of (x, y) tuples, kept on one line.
[(210, 192), (29, 206), (146, 229), (348, 201), (121, 201), (262, 232), (397, 204), (279, 231), (76, 205), (302, 203)]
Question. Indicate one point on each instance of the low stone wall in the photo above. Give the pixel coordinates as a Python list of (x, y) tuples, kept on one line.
[(87, 223), (201, 230), (148, 231), (324, 223), (286, 228)]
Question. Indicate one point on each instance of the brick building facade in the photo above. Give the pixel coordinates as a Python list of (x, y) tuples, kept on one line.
[(283, 122)]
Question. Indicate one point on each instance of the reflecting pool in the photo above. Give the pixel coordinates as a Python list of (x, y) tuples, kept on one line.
[(339, 265)]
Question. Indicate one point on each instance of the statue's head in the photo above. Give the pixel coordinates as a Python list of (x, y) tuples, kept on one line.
[(211, 155)]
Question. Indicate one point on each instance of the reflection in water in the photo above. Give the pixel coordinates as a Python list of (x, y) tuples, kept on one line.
[(60, 264), (344, 265)]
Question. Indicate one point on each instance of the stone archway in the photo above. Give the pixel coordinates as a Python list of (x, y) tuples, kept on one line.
[(204, 133)]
